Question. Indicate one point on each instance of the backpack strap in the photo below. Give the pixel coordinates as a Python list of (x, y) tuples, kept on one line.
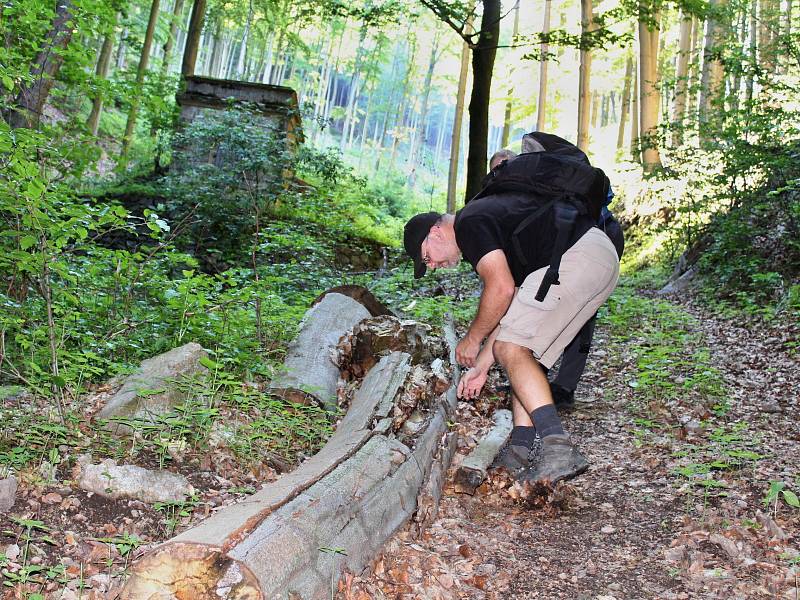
[(524, 225), (565, 216)]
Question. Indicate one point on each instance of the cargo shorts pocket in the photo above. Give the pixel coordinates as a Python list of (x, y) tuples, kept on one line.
[(521, 313)]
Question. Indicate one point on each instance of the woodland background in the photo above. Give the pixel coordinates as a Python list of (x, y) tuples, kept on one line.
[(117, 244)]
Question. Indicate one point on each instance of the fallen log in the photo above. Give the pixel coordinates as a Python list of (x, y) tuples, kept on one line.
[(472, 471), (296, 537), (309, 373)]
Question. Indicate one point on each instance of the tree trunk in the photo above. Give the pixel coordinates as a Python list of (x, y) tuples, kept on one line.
[(140, 73), (419, 140), (193, 38), (626, 100), (103, 64), (507, 115), (352, 92), (245, 38), (682, 77), (636, 150), (215, 61), (712, 81), (584, 74), (472, 472), (483, 55), (177, 11), (122, 49), (545, 48), (29, 103), (649, 98), (736, 84), (455, 138)]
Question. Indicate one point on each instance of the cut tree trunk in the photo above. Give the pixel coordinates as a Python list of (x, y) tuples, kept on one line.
[(310, 373), (472, 471), (298, 535), (458, 118)]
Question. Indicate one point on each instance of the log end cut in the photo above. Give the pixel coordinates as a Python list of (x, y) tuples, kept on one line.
[(180, 571)]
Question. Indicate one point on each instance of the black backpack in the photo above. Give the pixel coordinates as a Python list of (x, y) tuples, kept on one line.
[(558, 176)]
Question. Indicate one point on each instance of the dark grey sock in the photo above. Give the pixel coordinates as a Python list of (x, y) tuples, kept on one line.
[(546, 421), (523, 436)]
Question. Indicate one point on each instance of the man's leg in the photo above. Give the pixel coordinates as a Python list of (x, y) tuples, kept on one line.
[(517, 453), (573, 363), (559, 458)]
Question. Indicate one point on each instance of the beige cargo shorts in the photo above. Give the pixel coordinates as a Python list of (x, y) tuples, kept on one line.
[(588, 274)]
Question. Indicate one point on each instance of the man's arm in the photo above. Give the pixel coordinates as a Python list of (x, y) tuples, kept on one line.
[(498, 291)]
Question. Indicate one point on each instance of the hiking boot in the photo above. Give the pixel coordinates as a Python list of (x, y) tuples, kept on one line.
[(563, 398), (515, 458), (558, 460)]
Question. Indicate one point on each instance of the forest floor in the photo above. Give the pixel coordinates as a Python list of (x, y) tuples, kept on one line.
[(687, 418)]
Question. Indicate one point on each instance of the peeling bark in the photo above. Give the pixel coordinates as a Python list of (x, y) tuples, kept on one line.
[(472, 471)]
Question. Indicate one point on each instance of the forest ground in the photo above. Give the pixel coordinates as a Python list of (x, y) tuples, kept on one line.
[(686, 418)]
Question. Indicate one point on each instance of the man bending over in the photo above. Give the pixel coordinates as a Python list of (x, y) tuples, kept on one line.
[(511, 326)]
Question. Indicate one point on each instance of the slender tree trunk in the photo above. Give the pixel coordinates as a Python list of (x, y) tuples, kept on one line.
[(177, 11), (545, 48), (440, 137), (736, 84), (419, 140), (30, 101), (193, 38), (483, 55), (648, 91), (140, 74), (584, 75), (712, 82), (748, 94), (401, 119), (694, 67), (636, 150), (626, 100), (507, 115), (681, 77), (353, 89), (122, 49), (245, 38), (217, 49), (458, 119), (103, 65), (595, 108)]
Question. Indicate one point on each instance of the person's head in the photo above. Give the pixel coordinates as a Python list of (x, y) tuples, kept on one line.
[(429, 239), (500, 156)]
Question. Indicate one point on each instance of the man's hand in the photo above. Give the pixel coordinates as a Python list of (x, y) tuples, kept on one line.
[(471, 383), (467, 351)]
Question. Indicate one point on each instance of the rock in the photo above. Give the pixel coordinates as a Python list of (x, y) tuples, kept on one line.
[(8, 493), (608, 529), (52, 498), (114, 481), (150, 391)]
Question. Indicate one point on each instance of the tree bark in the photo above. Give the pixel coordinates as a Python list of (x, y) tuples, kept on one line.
[(473, 469), (103, 65), (419, 140), (636, 151), (458, 119), (140, 74), (649, 98), (626, 100), (545, 49), (193, 38), (483, 55), (243, 47), (177, 12), (29, 103), (507, 115), (682, 77), (712, 81), (584, 74)]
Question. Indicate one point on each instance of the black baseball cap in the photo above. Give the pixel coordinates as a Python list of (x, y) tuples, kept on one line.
[(414, 234)]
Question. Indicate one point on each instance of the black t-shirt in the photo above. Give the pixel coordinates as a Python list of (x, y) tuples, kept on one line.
[(488, 224)]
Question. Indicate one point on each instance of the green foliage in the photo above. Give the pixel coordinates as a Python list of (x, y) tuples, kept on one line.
[(228, 169)]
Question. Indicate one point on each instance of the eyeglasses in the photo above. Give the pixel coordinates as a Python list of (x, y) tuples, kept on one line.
[(426, 259)]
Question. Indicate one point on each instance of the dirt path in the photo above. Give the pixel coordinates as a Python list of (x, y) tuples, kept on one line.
[(686, 419)]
